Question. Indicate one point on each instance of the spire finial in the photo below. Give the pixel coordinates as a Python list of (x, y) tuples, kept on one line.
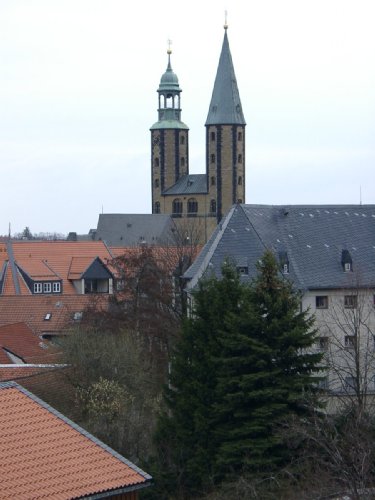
[(226, 20), (169, 51)]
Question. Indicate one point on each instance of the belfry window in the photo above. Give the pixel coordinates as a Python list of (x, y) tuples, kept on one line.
[(176, 208), (239, 136), (239, 159), (182, 161), (157, 207), (213, 158), (213, 136), (213, 181), (182, 140), (239, 180), (192, 207), (156, 183), (213, 206), (156, 162)]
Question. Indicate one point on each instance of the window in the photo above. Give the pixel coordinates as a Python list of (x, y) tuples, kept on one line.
[(157, 207), (239, 200), (192, 207), (213, 136), (350, 301), (156, 183), (38, 288), (213, 158), (213, 181), (243, 269), (77, 316), (286, 268), (350, 341), (56, 287), (349, 384), (323, 384), (47, 287), (323, 343), (156, 162), (47, 317), (239, 182), (182, 161), (176, 208), (348, 267), (321, 302), (182, 140), (213, 206), (239, 136), (239, 159)]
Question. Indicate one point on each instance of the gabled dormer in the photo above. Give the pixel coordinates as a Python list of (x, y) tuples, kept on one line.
[(346, 261), (284, 262), (90, 275)]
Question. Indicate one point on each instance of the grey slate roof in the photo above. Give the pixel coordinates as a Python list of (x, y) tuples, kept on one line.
[(189, 184), (132, 229), (225, 107), (313, 237)]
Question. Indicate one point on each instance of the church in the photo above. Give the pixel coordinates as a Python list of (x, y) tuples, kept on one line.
[(206, 197)]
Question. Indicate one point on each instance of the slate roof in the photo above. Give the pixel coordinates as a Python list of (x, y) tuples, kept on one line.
[(45, 455), (225, 107), (188, 184), (131, 229), (312, 236)]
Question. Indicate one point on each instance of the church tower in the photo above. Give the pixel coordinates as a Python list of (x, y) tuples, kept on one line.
[(169, 140), (225, 138)]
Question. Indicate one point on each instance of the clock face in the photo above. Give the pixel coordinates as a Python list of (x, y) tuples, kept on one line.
[(156, 140)]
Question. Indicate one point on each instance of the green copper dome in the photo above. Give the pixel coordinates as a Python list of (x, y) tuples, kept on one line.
[(169, 80)]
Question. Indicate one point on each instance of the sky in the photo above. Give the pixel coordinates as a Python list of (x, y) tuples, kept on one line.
[(78, 81)]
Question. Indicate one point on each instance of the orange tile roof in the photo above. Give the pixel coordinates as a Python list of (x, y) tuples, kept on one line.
[(18, 372), (32, 309), (50, 260), (18, 339), (45, 455), (78, 266)]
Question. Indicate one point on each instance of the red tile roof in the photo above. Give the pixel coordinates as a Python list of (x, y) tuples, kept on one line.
[(45, 455), (49, 260), (18, 372), (18, 339), (32, 309)]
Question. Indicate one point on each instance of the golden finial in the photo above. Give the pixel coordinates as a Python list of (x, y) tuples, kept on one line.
[(226, 20), (169, 51)]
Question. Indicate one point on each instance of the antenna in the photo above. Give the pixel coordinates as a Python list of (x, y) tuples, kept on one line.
[(360, 195), (9, 232)]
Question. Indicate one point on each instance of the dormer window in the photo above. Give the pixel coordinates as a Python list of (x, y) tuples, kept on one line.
[(38, 288), (346, 261), (243, 269), (284, 262)]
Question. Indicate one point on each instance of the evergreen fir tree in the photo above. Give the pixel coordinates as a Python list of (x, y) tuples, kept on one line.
[(242, 365), (267, 372), (186, 439)]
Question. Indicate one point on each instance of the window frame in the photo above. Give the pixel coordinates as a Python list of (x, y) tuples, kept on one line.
[(323, 299), (38, 287), (350, 301)]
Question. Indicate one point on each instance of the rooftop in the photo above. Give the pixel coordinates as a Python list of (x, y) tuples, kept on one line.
[(45, 455)]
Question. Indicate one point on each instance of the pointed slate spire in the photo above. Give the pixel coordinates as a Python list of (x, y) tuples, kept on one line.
[(225, 107)]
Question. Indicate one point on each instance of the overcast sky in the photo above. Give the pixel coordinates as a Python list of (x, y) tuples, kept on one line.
[(78, 82)]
